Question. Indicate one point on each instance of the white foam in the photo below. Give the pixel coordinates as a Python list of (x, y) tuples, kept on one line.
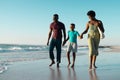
[(1, 49), (15, 48), (3, 68)]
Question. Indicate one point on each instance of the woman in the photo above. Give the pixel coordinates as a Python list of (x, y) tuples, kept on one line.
[(93, 37)]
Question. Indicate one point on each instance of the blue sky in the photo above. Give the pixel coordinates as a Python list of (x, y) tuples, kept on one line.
[(27, 21)]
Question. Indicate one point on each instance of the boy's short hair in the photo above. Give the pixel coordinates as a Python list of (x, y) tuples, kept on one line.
[(73, 24), (91, 13)]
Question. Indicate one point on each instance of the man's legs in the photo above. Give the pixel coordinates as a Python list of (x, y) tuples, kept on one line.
[(51, 48), (58, 48)]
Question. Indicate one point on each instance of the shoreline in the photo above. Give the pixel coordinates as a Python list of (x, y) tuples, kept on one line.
[(102, 49)]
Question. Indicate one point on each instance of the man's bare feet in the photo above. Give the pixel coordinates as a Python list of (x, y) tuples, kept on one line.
[(58, 65), (53, 62)]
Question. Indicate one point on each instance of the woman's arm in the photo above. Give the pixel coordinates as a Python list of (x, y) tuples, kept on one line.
[(86, 30), (101, 26)]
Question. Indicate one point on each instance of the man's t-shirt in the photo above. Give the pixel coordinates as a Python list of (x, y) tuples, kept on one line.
[(57, 29), (73, 36)]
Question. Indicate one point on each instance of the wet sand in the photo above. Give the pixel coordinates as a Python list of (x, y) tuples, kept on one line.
[(108, 69)]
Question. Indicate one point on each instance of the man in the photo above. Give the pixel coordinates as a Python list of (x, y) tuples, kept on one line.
[(56, 28)]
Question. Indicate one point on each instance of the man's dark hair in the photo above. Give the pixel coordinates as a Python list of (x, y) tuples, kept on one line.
[(56, 15), (73, 24), (91, 13)]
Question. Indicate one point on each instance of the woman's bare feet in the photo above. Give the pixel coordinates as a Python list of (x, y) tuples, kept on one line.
[(58, 65), (90, 67), (53, 62)]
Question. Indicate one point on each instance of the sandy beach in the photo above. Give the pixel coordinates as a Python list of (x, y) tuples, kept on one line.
[(108, 69)]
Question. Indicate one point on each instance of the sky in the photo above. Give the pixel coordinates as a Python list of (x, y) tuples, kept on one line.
[(27, 21)]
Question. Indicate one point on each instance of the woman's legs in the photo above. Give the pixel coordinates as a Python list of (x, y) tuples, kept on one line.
[(91, 59), (94, 61)]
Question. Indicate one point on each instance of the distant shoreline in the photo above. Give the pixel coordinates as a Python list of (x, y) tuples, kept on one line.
[(102, 46)]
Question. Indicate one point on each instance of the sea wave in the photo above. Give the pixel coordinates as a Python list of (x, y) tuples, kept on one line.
[(15, 48), (21, 48), (27, 48)]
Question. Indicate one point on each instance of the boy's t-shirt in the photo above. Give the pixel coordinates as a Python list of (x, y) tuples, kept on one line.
[(73, 36)]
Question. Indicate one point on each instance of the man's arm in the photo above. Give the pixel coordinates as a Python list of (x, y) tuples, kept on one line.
[(64, 42), (49, 35), (67, 38), (64, 32)]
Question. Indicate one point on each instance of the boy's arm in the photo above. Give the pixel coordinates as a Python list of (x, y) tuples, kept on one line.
[(79, 35)]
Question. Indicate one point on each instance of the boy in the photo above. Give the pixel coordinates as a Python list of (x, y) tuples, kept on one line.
[(72, 45)]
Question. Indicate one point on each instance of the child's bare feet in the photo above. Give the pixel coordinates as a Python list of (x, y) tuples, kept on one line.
[(53, 62), (68, 64), (94, 66), (72, 66)]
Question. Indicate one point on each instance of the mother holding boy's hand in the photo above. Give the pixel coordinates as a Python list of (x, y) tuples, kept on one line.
[(93, 37)]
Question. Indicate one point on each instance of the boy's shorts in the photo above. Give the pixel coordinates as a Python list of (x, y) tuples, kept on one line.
[(72, 47)]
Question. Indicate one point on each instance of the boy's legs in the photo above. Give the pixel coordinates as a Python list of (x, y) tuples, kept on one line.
[(68, 57), (74, 47), (74, 57), (69, 48)]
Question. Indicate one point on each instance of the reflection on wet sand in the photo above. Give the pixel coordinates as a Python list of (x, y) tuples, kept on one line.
[(93, 75), (55, 74), (70, 74)]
